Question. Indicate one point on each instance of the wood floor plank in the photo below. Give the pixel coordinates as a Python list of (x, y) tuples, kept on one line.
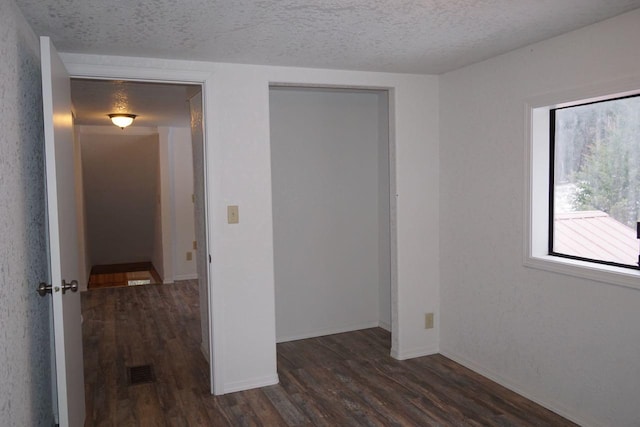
[(339, 380)]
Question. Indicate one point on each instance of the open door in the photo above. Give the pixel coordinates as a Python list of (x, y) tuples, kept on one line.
[(63, 237)]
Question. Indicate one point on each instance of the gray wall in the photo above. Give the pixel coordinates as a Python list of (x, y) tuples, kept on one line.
[(325, 156), (25, 360), (120, 181)]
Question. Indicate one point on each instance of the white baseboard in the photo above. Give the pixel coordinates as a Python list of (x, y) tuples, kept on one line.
[(328, 331), (384, 325), (414, 352), (513, 386), (191, 276), (252, 383)]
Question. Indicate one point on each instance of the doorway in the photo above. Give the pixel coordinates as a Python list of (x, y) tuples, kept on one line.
[(159, 199), (331, 210)]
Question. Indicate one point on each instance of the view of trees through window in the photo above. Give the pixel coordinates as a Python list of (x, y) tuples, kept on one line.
[(597, 180)]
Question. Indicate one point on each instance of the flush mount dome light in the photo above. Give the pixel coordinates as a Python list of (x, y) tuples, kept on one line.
[(122, 120)]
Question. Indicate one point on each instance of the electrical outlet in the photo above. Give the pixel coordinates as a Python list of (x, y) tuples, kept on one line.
[(428, 320), (189, 256), (233, 216), (195, 245)]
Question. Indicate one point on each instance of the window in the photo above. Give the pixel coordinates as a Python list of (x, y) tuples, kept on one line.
[(595, 181), (583, 143)]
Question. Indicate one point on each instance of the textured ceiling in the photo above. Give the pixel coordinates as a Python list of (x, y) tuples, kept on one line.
[(155, 104), (417, 36)]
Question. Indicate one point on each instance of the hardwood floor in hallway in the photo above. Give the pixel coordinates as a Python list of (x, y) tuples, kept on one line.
[(339, 380), (130, 274)]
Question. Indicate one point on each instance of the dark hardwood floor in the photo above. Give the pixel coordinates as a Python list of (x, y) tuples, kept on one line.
[(339, 380)]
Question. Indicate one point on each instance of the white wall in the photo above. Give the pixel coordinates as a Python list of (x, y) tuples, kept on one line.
[(119, 176), (243, 255), (25, 356), (183, 229), (325, 180), (570, 343), (238, 159)]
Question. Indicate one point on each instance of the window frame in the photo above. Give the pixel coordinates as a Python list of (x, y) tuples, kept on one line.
[(538, 206), (551, 168)]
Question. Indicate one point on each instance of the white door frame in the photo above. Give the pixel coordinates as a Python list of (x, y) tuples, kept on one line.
[(176, 76)]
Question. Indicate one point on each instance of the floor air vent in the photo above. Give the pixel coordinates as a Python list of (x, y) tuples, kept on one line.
[(141, 374)]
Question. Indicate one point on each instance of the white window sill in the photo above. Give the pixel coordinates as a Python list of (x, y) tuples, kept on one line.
[(611, 275)]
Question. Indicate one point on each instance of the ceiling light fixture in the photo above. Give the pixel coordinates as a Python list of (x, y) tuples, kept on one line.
[(122, 120)]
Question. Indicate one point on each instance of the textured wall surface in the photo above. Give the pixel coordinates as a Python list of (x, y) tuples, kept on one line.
[(25, 388), (571, 343)]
